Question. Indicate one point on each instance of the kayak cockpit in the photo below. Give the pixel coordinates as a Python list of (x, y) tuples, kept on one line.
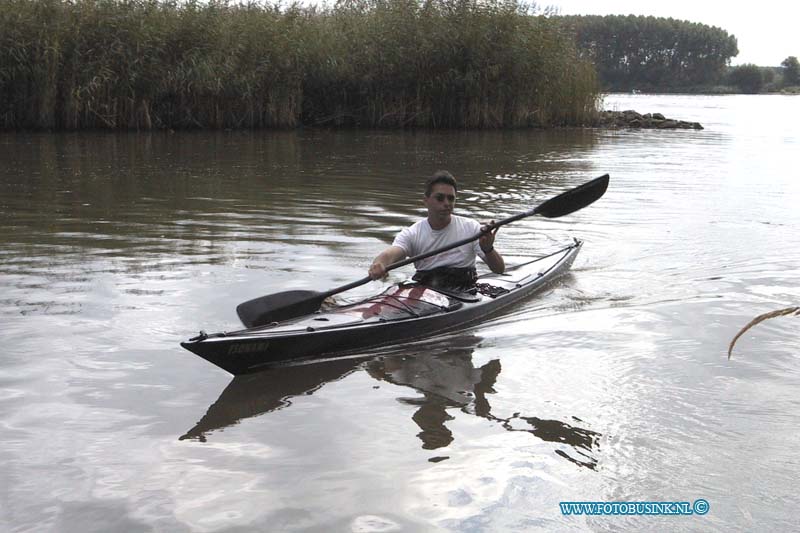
[(398, 302)]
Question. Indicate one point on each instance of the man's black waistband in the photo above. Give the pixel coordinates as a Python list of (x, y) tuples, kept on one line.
[(462, 279)]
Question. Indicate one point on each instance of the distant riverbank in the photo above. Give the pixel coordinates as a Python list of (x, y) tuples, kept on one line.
[(715, 90)]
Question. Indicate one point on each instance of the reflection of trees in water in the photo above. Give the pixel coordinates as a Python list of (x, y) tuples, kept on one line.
[(445, 377)]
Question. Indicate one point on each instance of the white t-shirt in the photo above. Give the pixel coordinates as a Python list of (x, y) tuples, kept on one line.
[(420, 238)]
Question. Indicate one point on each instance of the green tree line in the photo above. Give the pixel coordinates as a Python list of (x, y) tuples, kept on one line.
[(752, 79), (650, 53), (76, 64), (791, 71)]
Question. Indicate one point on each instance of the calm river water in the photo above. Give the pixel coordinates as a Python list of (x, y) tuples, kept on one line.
[(614, 385)]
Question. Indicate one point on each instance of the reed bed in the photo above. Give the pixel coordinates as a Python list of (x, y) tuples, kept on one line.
[(142, 64)]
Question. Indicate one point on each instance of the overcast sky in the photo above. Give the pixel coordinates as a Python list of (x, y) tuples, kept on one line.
[(768, 31)]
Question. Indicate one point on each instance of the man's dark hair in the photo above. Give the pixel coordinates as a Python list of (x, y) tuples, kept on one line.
[(441, 176)]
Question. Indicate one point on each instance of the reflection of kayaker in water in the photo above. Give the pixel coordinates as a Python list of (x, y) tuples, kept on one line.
[(444, 376), (454, 268), (252, 395), (449, 380), (445, 381)]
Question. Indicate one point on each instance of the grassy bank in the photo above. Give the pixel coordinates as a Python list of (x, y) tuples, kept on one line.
[(393, 63)]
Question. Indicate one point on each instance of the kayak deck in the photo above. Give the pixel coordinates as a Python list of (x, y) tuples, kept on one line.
[(402, 312)]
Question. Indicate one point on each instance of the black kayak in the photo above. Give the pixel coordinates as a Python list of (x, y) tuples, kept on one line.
[(403, 312)]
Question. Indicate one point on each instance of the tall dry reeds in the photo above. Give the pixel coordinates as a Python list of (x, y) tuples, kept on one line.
[(761, 318), (386, 63)]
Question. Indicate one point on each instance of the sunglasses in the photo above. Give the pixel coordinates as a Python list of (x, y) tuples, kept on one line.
[(439, 197)]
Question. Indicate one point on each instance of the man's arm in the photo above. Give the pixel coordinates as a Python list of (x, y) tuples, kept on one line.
[(390, 255), (495, 262), (492, 257)]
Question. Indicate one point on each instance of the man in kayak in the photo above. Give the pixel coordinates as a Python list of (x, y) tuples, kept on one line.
[(455, 268)]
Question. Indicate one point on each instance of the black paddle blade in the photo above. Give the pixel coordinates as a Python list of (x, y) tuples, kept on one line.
[(277, 307), (574, 199)]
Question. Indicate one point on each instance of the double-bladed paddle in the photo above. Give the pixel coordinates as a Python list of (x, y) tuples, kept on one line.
[(289, 304)]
